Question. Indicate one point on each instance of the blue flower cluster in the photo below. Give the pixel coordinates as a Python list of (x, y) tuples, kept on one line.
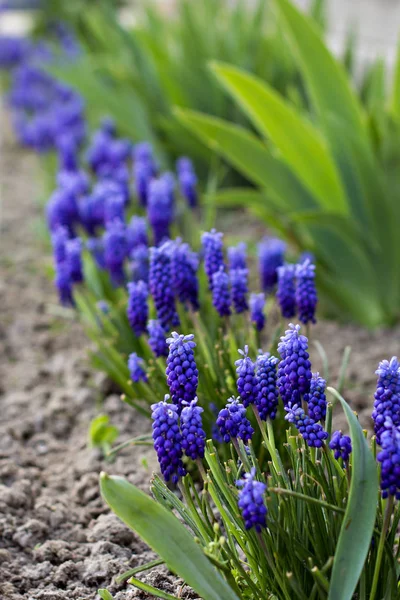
[(267, 391), (316, 399), (341, 446), (257, 315), (187, 180), (297, 292), (294, 371), (136, 370), (160, 283), (185, 264), (271, 252), (138, 310), (193, 435), (387, 396), (389, 457), (182, 373), (247, 382), (311, 431), (251, 501), (157, 341), (233, 423), (213, 254)]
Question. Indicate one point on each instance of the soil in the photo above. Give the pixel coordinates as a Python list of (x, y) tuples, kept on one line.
[(58, 540)]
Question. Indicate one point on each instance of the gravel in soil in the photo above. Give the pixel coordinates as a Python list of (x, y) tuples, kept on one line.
[(57, 538)]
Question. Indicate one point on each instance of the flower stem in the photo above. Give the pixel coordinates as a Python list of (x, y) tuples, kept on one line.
[(386, 522)]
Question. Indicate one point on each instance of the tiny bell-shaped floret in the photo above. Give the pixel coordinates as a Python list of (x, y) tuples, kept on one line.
[(233, 422)]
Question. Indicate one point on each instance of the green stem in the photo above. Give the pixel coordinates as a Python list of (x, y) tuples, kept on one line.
[(386, 522), (283, 492)]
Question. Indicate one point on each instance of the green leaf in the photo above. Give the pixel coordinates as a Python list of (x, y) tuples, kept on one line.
[(299, 142), (395, 96), (105, 594), (328, 84), (145, 587), (358, 523), (162, 531), (101, 432)]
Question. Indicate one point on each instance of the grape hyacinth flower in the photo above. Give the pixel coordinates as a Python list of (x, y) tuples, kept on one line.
[(306, 293), (168, 440), (115, 251), (143, 172), (237, 256), (193, 435), (139, 263), (389, 457), (267, 391), (341, 446), (185, 264), (74, 259), (387, 396), (136, 233), (59, 240), (239, 289), (251, 501), (294, 370), (63, 283), (286, 293), (160, 208), (137, 309), (312, 432), (182, 373), (233, 423), (247, 383), (160, 284), (187, 180), (157, 340), (316, 399), (96, 249), (271, 253), (221, 296), (135, 365), (213, 253), (257, 316)]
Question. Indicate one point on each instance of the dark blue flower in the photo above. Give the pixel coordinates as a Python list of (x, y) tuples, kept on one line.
[(312, 432), (233, 423), (182, 373), (306, 293), (168, 440), (161, 287), (137, 309), (157, 341), (160, 207), (237, 256), (136, 233), (247, 383), (387, 396), (59, 240), (74, 259), (136, 370), (239, 289), (267, 391), (185, 264), (316, 399), (63, 283), (96, 248), (213, 253), (389, 457), (187, 180), (139, 263), (286, 293), (115, 251), (294, 370), (193, 435), (271, 253), (341, 445), (251, 501), (257, 316), (221, 296)]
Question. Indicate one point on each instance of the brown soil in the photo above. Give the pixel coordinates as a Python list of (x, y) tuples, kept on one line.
[(57, 538)]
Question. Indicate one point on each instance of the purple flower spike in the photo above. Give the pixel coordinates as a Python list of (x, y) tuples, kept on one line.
[(247, 383), (168, 440), (316, 399), (213, 253), (160, 207), (389, 458), (160, 283), (239, 287), (193, 435), (74, 259), (341, 445), (115, 251), (135, 365), (63, 283), (157, 340), (237, 256), (188, 187), (294, 370), (221, 296), (136, 233), (387, 396), (267, 391), (251, 501), (96, 248), (312, 432), (233, 423), (257, 304), (182, 373), (59, 240), (306, 293), (138, 309), (271, 253), (286, 293), (139, 263), (185, 264)]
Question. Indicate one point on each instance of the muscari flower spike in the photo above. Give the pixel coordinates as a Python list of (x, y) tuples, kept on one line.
[(193, 435), (96, 249), (257, 316), (237, 256), (316, 399), (239, 289), (135, 366), (168, 440), (212, 243), (286, 292), (161, 286), (139, 263), (294, 370), (137, 309), (115, 251), (182, 373), (136, 233), (306, 293), (63, 283), (185, 264), (271, 253), (157, 340), (221, 297), (267, 391), (247, 383), (251, 501), (187, 180), (312, 432), (341, 446), (74, 259), (59, 240), (387, 396), (389, 457), (233, 423), (160, 207)]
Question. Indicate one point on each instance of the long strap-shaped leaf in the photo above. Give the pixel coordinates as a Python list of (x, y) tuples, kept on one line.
[(358, 523), (299, 142), (162, 531)]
